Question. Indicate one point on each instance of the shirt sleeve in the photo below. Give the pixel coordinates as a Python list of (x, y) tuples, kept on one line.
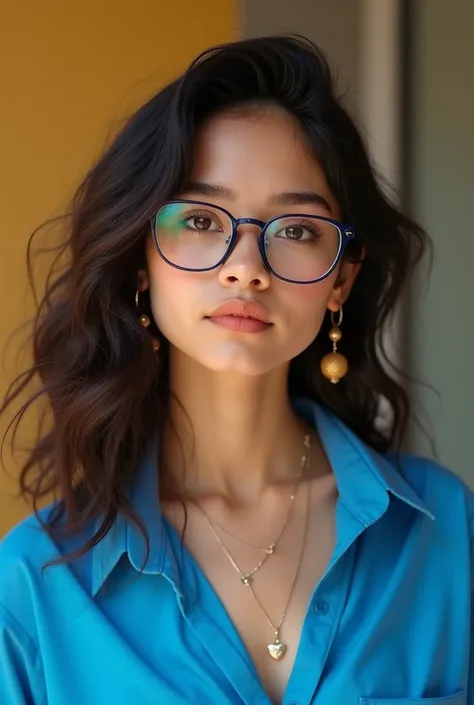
[(21, 673)]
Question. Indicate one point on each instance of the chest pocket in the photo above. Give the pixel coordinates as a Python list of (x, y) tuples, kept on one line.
[(457, 699)]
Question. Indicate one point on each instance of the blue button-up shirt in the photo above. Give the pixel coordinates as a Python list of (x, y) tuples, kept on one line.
[(389, 623)]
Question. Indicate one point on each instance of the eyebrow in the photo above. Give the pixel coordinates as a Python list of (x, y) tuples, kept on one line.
[(211, 190), (287, 198), (299, 198)]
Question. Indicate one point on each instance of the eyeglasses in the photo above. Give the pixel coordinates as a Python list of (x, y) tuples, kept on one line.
[(299, 248)]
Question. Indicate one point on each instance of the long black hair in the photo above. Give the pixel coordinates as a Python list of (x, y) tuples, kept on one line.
[(105, 386)]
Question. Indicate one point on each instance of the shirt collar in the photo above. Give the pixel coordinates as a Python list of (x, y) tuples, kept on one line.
[(365, 481), (365, 478), (125, 536)]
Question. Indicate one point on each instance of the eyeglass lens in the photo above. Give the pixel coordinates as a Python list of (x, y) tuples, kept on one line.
[(196, 237)]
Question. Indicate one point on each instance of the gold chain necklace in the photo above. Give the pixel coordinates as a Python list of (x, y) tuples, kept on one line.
[(276, 648), (246, 578), (270, 549)]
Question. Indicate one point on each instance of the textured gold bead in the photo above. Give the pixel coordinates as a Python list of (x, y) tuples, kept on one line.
[(144, 320), (156, 344), (334, 366), (335, 334)]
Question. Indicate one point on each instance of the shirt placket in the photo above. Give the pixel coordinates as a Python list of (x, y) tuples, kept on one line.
[(324, 613)]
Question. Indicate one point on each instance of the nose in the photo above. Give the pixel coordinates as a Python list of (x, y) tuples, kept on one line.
[(245, 265)]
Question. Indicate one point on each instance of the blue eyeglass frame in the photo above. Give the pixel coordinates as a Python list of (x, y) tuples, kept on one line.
[(346, 234)]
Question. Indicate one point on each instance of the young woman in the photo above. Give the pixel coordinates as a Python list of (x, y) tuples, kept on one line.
[(233, 522)]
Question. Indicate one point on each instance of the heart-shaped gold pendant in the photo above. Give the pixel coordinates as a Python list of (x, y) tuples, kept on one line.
[(276, 650)]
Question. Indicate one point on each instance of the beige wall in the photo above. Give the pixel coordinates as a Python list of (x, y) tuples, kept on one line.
[(433, 337), (68, 71), (442, 187), (332, 24)]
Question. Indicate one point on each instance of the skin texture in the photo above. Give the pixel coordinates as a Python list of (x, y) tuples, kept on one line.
[(240, 442), (254, 156), (232, 384)]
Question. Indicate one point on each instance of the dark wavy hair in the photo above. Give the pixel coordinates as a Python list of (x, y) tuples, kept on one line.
[(106, 390)]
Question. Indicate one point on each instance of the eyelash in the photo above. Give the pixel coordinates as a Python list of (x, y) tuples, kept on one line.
[(197, 214), (317, 234), (304, 223)]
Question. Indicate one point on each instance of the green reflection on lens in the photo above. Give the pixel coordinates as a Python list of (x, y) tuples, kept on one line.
[(169, 218), (273, 228)]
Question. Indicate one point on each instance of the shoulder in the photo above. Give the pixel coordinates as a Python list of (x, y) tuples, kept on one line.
[(22, 545), (23, 551), (445, 494), (21, 555), (26, 583)]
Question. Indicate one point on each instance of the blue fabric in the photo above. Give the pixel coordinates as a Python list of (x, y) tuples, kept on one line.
[(389, 624)]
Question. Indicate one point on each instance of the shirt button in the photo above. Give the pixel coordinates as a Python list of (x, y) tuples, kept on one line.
[(294, 702), (322, 607)]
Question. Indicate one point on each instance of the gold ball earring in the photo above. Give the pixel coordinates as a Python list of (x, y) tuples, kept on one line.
[(146, 322), (334, 366)]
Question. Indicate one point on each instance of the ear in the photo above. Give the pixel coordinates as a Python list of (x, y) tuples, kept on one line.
[(346, 277), (143, 282)]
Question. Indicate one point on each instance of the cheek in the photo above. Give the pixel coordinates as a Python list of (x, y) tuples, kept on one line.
[(307, 306), (171, 295), (163, 284)]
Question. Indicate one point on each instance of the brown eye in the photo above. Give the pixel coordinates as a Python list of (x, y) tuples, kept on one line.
[(295, 232), (202, 223), (304, 231)]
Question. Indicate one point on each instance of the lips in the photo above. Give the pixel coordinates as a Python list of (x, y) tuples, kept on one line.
[(241, 316), (241, 309)]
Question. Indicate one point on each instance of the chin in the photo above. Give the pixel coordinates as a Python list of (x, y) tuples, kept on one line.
[(244, 365)]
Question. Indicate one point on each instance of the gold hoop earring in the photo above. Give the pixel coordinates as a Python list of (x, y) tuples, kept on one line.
[(334, 366), (146, 322)]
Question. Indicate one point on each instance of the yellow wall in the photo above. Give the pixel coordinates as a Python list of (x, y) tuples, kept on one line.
[(69, 70)]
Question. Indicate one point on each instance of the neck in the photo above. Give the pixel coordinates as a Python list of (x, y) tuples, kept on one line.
[(230, 435)]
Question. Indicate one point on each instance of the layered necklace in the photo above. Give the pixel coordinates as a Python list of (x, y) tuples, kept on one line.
[(276, 649)]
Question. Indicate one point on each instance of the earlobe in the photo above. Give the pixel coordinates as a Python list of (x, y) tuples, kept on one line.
[(334, 303)]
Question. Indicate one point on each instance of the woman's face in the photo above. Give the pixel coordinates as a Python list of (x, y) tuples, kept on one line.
[(246, 164)]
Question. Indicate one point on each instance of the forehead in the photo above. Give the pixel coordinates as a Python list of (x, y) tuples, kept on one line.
[(256, 153)]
